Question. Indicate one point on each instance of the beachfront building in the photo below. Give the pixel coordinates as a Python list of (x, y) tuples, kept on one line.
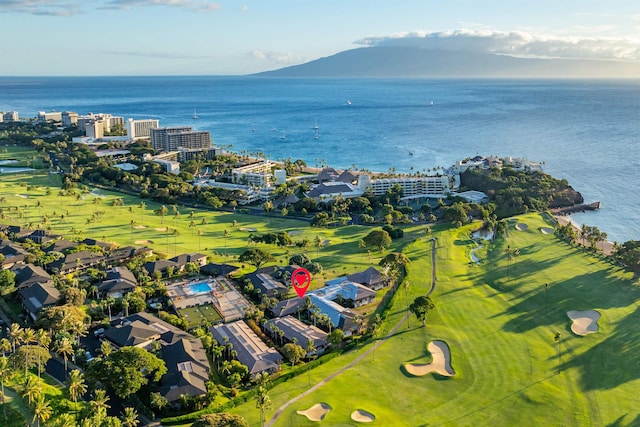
[(298, 331), (412, 187), (137, 129), (258, 174), (330, 190), (8, 116), (69, 118), (51, 116), (170, 138), (251, 350)]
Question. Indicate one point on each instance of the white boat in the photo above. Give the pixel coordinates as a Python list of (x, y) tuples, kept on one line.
[(195, 115), (411, 152), (431, 104), (348, 102), (316, 127)]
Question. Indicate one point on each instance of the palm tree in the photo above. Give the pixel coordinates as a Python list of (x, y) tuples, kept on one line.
[(5, 346), (142, 207), (130, 417), (28, 337), (405, 286), (556, 338), (43, 339), (65, 349), (41, 411), (31, 389), (65, 420), (311, 349), (227, 233), (15, 335), (375, 328), (263, 402), (99, 404), (76, 386), (5, 374)]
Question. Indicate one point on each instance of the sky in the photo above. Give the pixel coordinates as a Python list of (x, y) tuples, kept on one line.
[(228, 37)]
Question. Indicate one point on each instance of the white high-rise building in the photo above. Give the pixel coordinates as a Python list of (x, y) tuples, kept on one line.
[(137, 129)]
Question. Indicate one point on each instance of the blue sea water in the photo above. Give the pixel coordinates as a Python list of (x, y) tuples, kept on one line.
[(583, 130)]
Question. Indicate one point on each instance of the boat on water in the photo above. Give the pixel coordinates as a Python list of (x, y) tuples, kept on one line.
[(431, 104), (195, 115), (348, 102), (316, 127), (411, 152)]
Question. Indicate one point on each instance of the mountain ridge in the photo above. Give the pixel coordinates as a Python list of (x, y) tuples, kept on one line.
[(407, 62)]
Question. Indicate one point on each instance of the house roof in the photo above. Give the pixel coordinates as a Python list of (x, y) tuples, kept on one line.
[(347, 176), (131, 333), (71, 261), (252, 351), (118, 278), (327, 174), (294, 328), (187, 368), (29, 274), (160, 265), (367, 277), (218, 269), (328, 188), (60, 245), (39, 296), (286, 307), (183, 259)]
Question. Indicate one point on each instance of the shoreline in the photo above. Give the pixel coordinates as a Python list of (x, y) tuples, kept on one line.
[(606, 246)]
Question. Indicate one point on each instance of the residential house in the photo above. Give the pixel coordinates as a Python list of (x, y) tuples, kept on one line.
[(214, 270), (75, 261), (294, 329), (13, 254), (39, 296), (119, 282), (184, 259), (162, 266), (371, 278), (59, 245), (251, 350), (266, 283), (29, 274), (183, 354)]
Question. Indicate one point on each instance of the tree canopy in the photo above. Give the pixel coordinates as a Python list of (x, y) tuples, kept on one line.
[(256, 257), (420, 307), (378, 238), (222, 419), (127, 370)]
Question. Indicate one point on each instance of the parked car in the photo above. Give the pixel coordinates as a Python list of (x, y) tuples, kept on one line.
[(98, 332)]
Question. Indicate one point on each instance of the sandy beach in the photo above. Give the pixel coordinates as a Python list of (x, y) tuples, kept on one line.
[(606, 247)]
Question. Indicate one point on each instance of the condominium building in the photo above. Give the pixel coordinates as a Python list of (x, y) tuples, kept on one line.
[(137, 129), (94, 129), (257, 174), (412, 187), (9, 116), (169, 139), (108, 121), (69, 119), (51, 116)]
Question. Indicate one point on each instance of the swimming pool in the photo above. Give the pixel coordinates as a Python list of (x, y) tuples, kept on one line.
[(200, 288)]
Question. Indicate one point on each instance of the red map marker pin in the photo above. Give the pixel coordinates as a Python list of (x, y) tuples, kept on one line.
[(301, 279)]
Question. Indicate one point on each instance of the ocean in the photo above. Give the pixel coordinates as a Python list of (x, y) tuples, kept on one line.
[(586, 131)]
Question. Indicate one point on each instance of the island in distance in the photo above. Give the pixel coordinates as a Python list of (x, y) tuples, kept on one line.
[(407, 62)]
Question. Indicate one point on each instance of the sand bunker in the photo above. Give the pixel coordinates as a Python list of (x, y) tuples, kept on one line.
[(521, 226), (584, 322), (546, 230), (144, 242), (23, 196), (162, 229), (248, 229), (139, 226), (362, 416), (317, 412), (441, 363)]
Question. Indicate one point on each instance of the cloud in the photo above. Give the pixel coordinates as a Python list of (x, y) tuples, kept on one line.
[(41, 7), (194, 6), (75, 7), (276, 57), (522, 44)]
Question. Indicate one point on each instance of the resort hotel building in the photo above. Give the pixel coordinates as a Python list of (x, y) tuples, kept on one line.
[(170, 138), (137, 129)]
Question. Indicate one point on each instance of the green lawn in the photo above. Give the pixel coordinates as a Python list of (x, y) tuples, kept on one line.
[(499, 326), (27, 200), (197, 315)]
